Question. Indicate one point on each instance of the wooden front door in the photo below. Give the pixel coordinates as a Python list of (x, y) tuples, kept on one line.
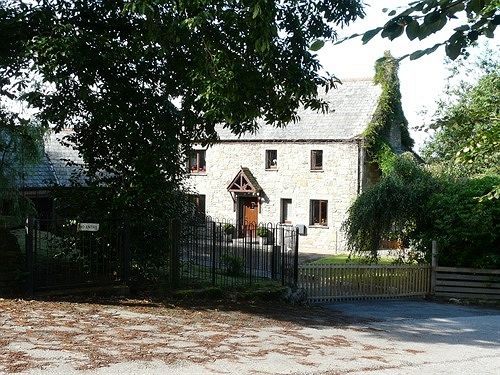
[(249, 212)]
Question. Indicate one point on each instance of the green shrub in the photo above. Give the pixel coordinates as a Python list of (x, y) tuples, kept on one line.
[(262, 232), (467, 229), (235, 266), (416, 206), (390, 209), (229, 229)]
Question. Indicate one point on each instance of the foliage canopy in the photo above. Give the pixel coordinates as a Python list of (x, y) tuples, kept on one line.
[(444, 200), (139, 81), (422, 18), (467, 124)]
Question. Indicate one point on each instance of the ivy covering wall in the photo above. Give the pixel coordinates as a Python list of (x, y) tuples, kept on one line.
[(388, 115)]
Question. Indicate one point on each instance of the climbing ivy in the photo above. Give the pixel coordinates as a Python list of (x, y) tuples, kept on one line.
[(388, 114)]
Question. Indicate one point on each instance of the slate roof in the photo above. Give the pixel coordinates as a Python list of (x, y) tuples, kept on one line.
[(351, 107), (251, 179), (53, 170)]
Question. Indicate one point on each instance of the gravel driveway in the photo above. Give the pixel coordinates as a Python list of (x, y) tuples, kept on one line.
[(139, 337)]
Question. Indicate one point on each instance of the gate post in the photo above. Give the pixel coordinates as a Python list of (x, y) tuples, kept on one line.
[(434, 261), (174, 231), (296, 258), (30, 281)]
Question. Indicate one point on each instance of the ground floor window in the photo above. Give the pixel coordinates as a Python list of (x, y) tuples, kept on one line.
[(318, 212), (198, 204), (286, 210)]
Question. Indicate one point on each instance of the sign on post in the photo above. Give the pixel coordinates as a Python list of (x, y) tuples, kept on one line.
[(87, 227)]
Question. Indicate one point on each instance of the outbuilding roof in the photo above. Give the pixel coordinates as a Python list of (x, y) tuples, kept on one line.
[(53, 169), (351, 107)]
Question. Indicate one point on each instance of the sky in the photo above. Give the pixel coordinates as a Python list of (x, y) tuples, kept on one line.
[(422, 80)]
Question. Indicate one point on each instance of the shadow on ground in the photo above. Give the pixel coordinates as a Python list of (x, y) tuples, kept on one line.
[(302, 315), (426, 321)]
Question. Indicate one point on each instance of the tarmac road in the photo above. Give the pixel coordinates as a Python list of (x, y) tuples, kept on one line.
[(139, 337)]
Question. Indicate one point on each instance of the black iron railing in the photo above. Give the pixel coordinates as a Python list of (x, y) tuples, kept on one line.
[(67, 254), (221, 253)]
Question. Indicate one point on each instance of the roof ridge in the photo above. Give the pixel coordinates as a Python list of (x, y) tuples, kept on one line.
[(357, 79)]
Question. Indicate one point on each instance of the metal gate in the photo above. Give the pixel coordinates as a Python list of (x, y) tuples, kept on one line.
[(218, 253), (63, 254)]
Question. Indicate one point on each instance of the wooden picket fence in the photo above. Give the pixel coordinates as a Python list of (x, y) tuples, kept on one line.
[(332, 282), (467, 283)]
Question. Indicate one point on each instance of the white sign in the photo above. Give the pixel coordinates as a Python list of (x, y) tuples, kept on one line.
[(87, 227)]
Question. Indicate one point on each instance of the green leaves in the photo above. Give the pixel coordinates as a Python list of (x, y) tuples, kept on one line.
[(392, 31), (422, 18), (413, 30), (467, 130), (418, 54), (370, 34), (317, 45)]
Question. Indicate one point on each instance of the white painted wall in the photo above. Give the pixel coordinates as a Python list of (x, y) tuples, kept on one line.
[(293, 179)]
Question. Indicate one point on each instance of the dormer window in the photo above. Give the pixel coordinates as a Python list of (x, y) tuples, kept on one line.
[(271, 159), (196, 161)]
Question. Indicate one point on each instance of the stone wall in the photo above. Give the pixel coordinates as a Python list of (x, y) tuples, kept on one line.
[(293, 179)]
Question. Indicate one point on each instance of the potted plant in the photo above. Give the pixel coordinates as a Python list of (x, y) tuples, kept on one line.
[(229, 231), (263, 234)]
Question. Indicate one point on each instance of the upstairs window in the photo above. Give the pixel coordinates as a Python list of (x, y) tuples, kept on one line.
[(317, 160), (271, 159), (196, 161), (319, 213)]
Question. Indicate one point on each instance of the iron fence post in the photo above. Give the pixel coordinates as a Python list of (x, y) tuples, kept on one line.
[(174, 232), (282, 256), (273, 261), (296, 258), (214, 244), (251, 255), (29, 256)]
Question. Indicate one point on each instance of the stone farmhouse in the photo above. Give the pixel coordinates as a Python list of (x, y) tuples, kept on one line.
[(307, 173)]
